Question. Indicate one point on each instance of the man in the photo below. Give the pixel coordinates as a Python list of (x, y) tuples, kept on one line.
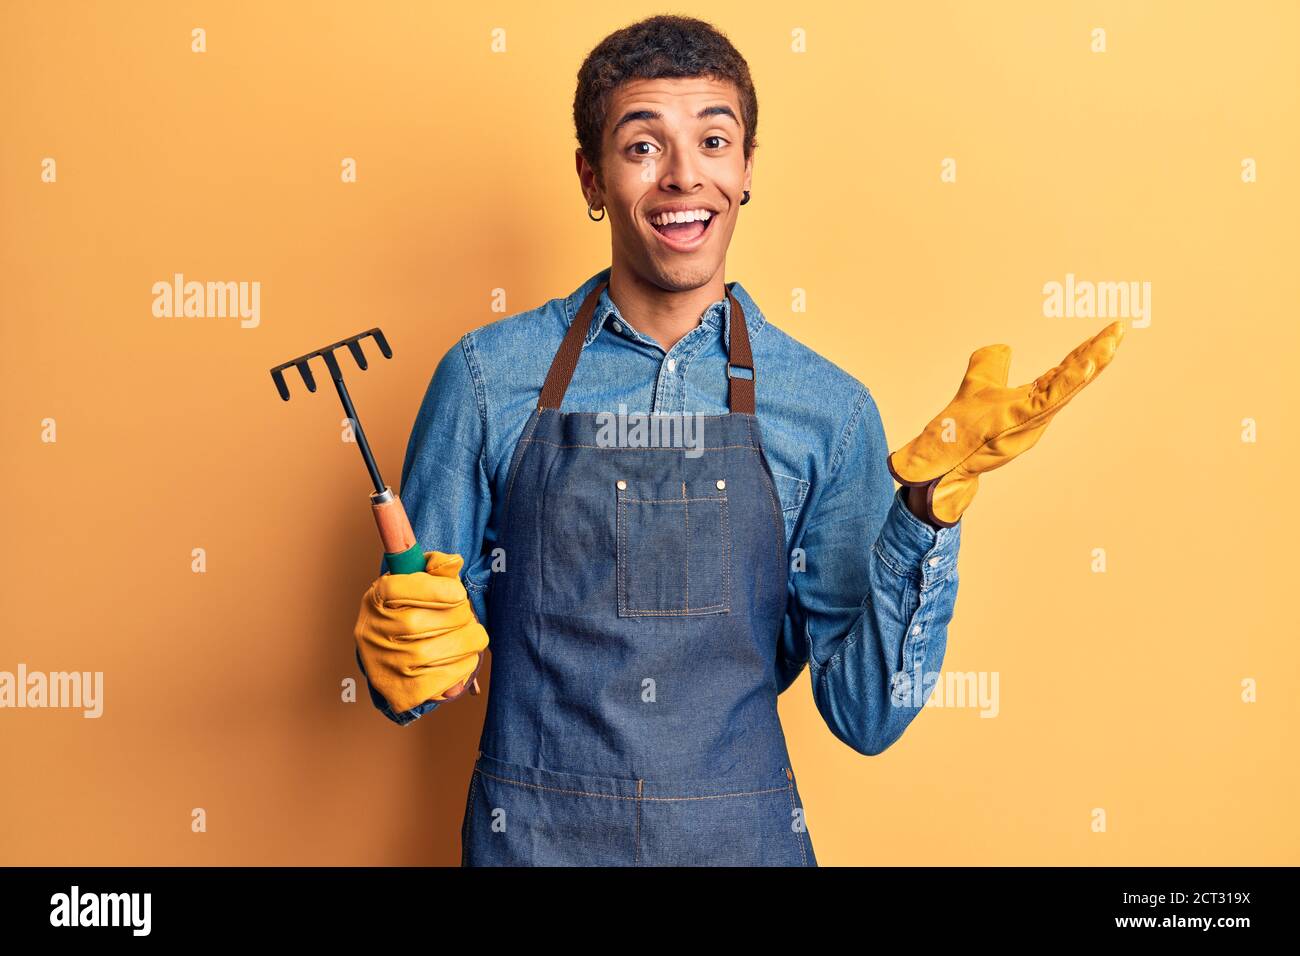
[(648, 601)]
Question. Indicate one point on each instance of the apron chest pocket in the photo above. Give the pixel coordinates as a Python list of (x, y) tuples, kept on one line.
[(674, 549)]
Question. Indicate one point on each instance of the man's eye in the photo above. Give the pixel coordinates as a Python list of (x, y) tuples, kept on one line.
[(720, 140), (635, 147)]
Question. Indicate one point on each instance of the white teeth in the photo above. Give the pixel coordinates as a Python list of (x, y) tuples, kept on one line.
[(690, 215)]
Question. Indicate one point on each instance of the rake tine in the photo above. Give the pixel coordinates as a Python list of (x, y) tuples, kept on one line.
[(355, 348), (332, 364), (305, 371), (280, 385), (378, 336)]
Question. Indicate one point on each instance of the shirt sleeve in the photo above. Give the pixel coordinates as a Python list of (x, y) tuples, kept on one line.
[(444, 485), (872, 591)]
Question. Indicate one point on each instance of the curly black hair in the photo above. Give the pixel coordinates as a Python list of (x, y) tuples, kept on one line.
[(657, 47)]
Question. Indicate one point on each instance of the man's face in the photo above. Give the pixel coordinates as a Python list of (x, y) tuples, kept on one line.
[(673, 149)]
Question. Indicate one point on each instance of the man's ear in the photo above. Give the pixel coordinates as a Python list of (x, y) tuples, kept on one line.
[(749, 171), (588, 176)]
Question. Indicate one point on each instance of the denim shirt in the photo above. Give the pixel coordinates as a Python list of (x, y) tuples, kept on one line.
[(871, 587)]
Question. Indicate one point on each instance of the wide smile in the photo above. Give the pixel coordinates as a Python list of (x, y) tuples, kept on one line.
[(685, 236)]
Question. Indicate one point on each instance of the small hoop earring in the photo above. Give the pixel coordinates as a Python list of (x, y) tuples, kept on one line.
[(746, 199), (595, 218)]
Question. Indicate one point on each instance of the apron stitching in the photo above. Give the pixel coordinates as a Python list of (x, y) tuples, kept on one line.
[(574, 793), (776, 505), (638, 796), (719, 796), (638, 821), (537, 417), (686, 580), (469, 817), (797, 836), (776, 513), (673, 501), (726, 562), (691, 612), (553, 444), (620, 544), (542, 566)]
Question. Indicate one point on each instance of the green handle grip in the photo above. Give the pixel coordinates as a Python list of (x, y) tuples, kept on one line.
[(405, 562)]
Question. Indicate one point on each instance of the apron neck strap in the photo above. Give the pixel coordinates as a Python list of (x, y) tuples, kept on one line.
[(741, 389)]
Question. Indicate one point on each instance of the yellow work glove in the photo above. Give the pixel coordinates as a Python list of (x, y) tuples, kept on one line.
[(417, 634), (988, 424)]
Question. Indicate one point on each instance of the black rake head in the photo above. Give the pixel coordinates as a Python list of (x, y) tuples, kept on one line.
[(353, 344)]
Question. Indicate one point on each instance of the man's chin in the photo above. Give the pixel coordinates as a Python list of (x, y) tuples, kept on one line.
[(683, 276)]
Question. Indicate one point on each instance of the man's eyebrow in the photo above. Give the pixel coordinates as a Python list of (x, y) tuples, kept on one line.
[(631, 116)]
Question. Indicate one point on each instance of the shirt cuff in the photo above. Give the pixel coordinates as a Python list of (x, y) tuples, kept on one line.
[(381, 704), (910, 545)]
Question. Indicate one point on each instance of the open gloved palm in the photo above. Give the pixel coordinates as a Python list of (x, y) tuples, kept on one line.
[(417, 635), (988, 423)]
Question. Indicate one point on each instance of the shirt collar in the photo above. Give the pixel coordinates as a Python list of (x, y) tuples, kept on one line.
[(717, 315)]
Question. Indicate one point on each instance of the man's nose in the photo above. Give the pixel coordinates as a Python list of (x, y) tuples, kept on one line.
[(680, 170)]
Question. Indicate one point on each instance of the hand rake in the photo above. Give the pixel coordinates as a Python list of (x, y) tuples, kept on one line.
[(402, 553)]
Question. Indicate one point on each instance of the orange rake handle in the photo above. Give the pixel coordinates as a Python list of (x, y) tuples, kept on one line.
[(402, 552)]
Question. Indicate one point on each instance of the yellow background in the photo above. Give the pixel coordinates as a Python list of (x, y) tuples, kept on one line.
[(1119, 691)]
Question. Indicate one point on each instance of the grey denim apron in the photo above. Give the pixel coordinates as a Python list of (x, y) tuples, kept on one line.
[(632, 716)]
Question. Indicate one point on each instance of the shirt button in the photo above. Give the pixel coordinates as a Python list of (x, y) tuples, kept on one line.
[(721, 484), (916, 629), (934, 562), (622, 485), (672, 365), (618, 327)]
